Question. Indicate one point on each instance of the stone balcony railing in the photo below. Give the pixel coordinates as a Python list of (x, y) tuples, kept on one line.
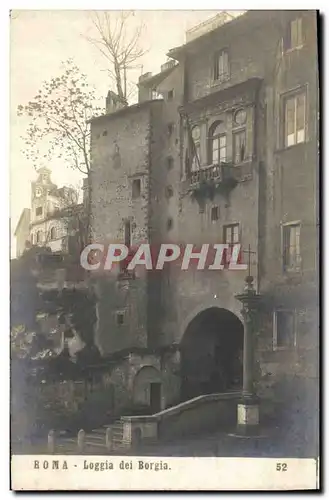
[(222, 173)]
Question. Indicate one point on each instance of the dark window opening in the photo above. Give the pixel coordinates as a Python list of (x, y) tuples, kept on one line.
[(38, 211), (127, 233), (170, 223), (239, 146), (169, 192), (170, 128), (53, 233), (170, 162), (104, 133), (231, 237), (170, 95), (284, 329), (39, 236), (221, 66), (291, 247), (120, 318), (136, 188), (214, 214)]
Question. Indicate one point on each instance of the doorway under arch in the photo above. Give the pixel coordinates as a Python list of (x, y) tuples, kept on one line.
[(212, 353), (147, 389)]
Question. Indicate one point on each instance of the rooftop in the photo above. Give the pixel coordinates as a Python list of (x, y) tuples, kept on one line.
[(210, 24)]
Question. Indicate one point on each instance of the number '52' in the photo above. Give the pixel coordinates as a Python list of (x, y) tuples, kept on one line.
[(281, 467)]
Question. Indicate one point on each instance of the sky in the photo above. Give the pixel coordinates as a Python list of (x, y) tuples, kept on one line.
[(40, 40)]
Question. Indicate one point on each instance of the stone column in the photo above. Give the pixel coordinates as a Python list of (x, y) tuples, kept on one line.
[(248, 407)]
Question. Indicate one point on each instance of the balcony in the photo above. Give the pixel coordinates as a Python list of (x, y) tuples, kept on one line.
[(219, 173), (214, 179)]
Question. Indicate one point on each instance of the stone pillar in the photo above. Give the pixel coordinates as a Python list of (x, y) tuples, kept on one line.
[(51, 441), (81, 440), (109, 439), (248, 407)]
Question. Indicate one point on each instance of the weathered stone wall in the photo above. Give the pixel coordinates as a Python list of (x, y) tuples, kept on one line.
[(121, 154)]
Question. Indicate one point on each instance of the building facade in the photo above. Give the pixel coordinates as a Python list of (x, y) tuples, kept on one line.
[(222, 147), (49, 221)]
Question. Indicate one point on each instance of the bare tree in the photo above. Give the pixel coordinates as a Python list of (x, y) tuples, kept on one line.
[(119, 45)]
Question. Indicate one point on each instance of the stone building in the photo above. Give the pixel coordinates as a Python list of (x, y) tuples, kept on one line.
[(222, 147), (52, 217)]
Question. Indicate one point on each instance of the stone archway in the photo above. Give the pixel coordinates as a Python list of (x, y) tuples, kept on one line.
[(147, 389), (211, 353)]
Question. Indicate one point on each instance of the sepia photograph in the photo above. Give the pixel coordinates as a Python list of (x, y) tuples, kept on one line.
[(164, 261)]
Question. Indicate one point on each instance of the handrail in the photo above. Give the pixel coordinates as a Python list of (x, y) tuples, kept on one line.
[(185, 405)]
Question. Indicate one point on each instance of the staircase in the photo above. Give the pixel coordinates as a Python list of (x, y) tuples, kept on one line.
[(208, 412)]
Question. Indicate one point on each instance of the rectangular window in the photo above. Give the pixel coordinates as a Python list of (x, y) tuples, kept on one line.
[(291, 247), (219, 149), (214, 214), (295, 118), (120, 318), (136, 189), (284, 329), (170, 162), (38, 211), (239, 146), (155, 95), (232, 233), (170, 95), (221, 66), (196, 158), (127, 235), (170, 129), (294, 35)]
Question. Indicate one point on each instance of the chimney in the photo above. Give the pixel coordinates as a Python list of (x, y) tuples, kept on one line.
[(167, 65), (144, 92), (114, 102)]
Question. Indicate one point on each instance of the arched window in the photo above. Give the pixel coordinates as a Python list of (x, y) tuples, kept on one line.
[(195, 148), (217, 143), (53, 233), (39, 236)]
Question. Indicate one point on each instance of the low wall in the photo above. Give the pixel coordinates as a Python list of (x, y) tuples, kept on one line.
[(201, 414), (205, 413)]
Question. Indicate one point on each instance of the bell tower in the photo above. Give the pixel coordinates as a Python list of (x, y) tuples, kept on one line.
[(40, 189)]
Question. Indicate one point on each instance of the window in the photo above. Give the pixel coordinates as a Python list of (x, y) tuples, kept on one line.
[(291, 246), (53, 234), (214, 214), (120, 318), (169, 192), (294, 35), (195, 146), (38, 211), (170, 224), (170, 162), (104, 133), (231, 236), (232, 233), (170, 95), (39, 236), (155, 94), (170, 129), (239, 146), (217, 143), (136, 189), (221, 66), (284, 329), (127, 233), (294, 117)]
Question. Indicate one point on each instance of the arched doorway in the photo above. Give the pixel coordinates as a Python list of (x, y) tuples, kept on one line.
[(147, 390), (211, 353)]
